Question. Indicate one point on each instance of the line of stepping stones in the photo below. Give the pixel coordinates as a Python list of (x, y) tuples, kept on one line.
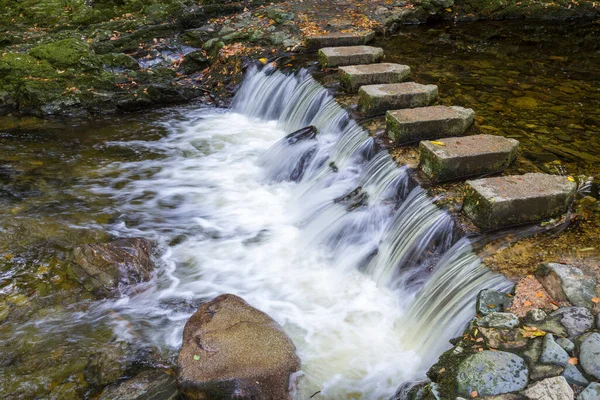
[(491, 203)]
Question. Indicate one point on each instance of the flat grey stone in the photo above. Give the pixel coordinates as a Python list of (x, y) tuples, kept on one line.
[(537, 372), (354, 76), (352, 55), (552, 353), (574, 376), (566, 283), (576, 320), (535, 316), (491, 373), (589, 355), (490, 301), (494, 203), (416, 124), (566, 344), (498, 320), (591, 392), (461, 157), (377, 99), (555, 388), (339, 39)]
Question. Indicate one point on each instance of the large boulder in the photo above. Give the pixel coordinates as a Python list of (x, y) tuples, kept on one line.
[(232, 350), (566, 283), (576, 320), (589, 355), (491, 373), (105, 268), (555, 388)]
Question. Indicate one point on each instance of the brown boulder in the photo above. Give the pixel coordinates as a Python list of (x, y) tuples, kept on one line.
[(103, 268), (233, 351)]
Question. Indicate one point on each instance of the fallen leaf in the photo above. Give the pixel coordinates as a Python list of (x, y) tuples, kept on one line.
[(527, 303), (436, 142), (596, 300), (573, 361), (571, 179), (539, 294), (474, 393), (196, 357)]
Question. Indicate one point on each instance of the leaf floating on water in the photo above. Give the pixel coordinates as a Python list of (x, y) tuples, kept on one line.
[(438, 143)]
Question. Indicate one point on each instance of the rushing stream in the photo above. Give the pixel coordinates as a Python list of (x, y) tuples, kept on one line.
[(340, 277)]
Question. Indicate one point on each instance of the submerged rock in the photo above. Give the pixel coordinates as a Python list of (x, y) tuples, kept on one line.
[(147, 385), (566, 283), (104, 268), (232, 350), (310, 132), (491, 373), (555, 388)]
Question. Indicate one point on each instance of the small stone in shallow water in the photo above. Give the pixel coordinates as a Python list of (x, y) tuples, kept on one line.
[(552, 353), (491, 373), (555, 388)]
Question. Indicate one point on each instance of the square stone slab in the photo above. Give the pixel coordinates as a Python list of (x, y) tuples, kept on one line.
[(461, 157), (416, 124), (354, 76), (377, 99), (351, 55), (494, 203), (339, 39)]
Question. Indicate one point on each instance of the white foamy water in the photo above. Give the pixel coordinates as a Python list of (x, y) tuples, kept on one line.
[(337, 255)]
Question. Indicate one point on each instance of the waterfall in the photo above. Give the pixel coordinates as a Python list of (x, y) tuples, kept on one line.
[(325, 234)]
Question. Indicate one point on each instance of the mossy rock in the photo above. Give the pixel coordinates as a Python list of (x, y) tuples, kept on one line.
[(67, 53), (119, 60)]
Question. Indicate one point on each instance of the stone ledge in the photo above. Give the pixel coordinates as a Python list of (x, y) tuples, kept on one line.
[(354, 76), (377, 99), (339, 39), (351, 55)]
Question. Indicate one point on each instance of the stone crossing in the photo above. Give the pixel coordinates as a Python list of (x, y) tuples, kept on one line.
[(446, 154), (354, 76), (377, 99)]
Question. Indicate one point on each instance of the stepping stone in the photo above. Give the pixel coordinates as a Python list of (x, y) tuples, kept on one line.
[(339, 39), (413, 125), (377, 99), (494, 203), (461, 157), (354, 76), (338, 56)]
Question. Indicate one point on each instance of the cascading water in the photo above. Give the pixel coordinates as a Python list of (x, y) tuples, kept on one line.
[(323, 234)]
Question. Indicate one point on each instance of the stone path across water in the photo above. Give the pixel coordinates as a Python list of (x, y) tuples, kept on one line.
[(444, 154)]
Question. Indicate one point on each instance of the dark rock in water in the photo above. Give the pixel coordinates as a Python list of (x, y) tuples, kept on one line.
[(310, 132), (194, 62), (302, 164), (104, 268), (412, 390), (490, 301), (107, 366), (147, 385), (491, 373), (576, 320), (354, 199), (566, 283), (232, 350), (555, 388), (589, 355)]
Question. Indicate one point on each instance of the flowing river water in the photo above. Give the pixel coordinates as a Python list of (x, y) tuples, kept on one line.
[(327, 235)]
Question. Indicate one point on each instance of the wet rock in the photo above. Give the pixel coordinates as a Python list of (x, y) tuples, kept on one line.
[(523, 102), (574, 376), (354, 76), (104, 268), (535, 316), (591, 392), (490, 301), (339, 39), (589, 355), (119, 60), (231, 349), (66, 391), (280, 16), (307, 133), (533, 351), (555, 388), (542, 371), (67, 53), (106, 367), (499, 320), (353, 55), (552, 353), (491, 373), (576, 320), (566, 283), (147, 385), (494, 203), (194, 62), (377, 99)]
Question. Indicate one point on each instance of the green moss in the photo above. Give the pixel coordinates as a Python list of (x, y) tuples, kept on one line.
[(119, 60), (67, 53)]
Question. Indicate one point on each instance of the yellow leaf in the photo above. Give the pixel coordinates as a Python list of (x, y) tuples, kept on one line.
[(571, 179), (436, 142), (596, 300), (263, 60)]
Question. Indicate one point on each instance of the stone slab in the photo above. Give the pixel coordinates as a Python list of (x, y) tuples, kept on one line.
[(351, 55), (338, 39), (494, 203), (413, 125), (354, 76), (462, 157), (377, 99)]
